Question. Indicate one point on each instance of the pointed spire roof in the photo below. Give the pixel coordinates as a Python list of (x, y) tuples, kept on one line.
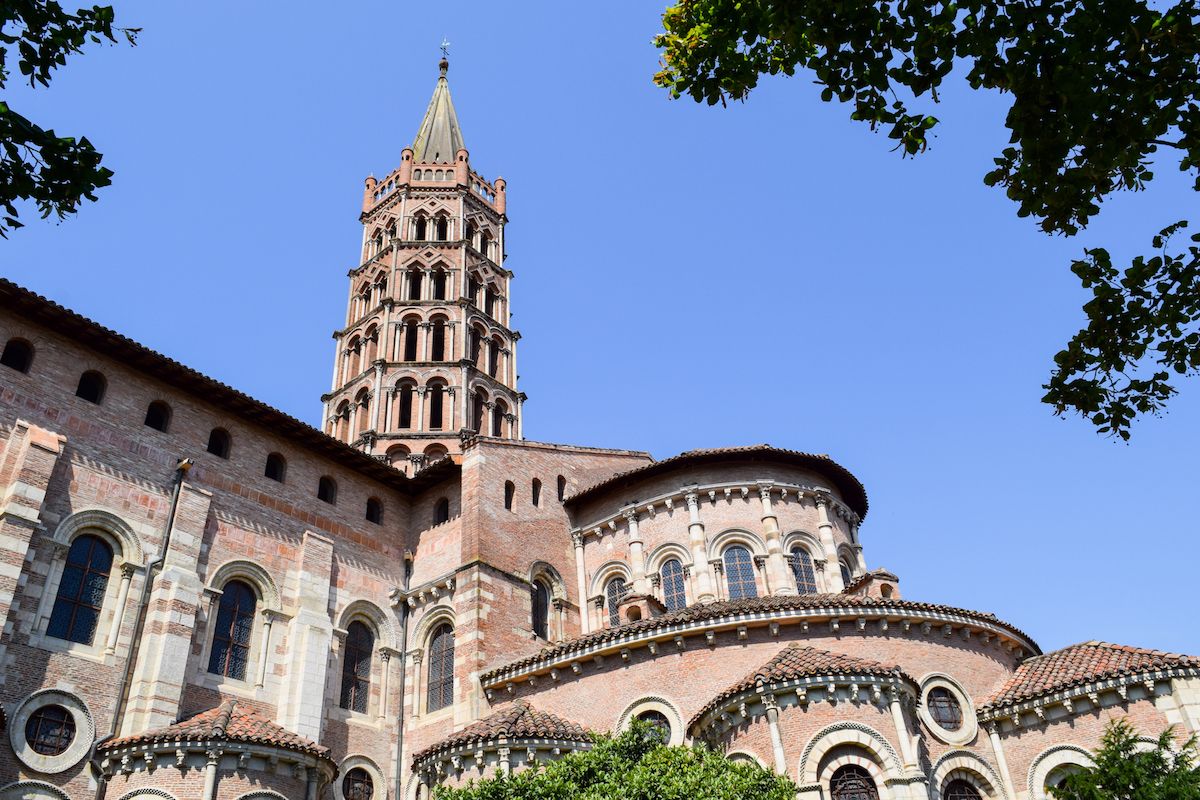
[(439, 138)]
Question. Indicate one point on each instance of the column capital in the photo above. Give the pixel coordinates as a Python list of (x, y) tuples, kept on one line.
[(415, 654), (128, 569), (577, 539)]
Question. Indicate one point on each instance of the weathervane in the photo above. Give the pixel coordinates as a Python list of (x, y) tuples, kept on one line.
[(445, 45)]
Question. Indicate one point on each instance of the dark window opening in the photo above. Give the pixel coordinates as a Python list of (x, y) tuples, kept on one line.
[(357, 785), (219, 442), (439, 285), (441, 511), (476, 344), (91, 387), (158, 416), (959, 789), (477, 413), (536, 492), (374, 510), (414, 285), (419, 229), (436, 403), (18, 355), (440, 692), (356, 667), (443, 229), (493, 357), (327, 490), (541, 610), (438, 343), (944, 708), (614, 593), (674, 591), (276, 468), (50, 730), (509, 491), (231, 636), (489, 302), (410, 341), (406, 406), (562, 488), (81, 590), (739, 572), (852, 782), (802, 570)]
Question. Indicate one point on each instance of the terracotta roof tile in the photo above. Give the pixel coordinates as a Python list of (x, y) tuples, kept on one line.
[(732, 608), (798, 661), (1081, 664), (519, 721), (232, 722), (850, 487)]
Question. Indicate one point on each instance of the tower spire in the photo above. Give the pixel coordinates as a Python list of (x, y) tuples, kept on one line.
[(439, 138)]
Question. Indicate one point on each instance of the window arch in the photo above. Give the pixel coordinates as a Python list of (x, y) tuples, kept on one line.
[(341, 420), (362, 411), (673, 587), (614, 592), (219, 442), (441, 511), (802, 570), (81, 590), (959, 789), (852, 782), (535, 492), (479, 405), (414, 284), (944, 708), (356, 667), (510, 491), (437, 402), (276, 467), (357, 785), (435, 452), (404, 412), (397, 455), (231, 632), (739, 572), (374, 510), (327, 490), (437, 340), (541, 610), (420, 228), (498, 415), (158, 416), (92, 386), (439, 692), (443, 228), (847, 574), (18, 355), (410, 340), (562, 488), (439, 284)]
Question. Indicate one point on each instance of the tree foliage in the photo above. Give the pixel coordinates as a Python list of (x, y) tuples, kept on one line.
[(1100, 90), (634, 765), (1122, 770), (55, 172)]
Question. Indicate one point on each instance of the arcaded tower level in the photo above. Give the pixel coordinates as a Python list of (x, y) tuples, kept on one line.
[(416, 595)]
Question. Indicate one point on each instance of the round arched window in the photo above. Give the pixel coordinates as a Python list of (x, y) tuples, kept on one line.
[(50, 730), (357, 785), (660, 722), (944, 708), (852, 782), (958, 789)]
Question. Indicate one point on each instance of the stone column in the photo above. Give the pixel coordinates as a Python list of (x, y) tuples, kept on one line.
[(833, 578), (705, 585), (450, 393), (420, 408), (211, 766), (425, 337), (416, 654), (376, 424), (114, 632), (993, 732), (385, 669), (264, 654), (907, 751), (718, 569), (778, 575), (581, 581), (776, 737), (637, 558)]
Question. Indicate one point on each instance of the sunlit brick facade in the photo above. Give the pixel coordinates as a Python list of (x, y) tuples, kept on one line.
[(205, 599)]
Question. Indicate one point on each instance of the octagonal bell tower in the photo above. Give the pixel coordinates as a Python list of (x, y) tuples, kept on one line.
[(427, 356)]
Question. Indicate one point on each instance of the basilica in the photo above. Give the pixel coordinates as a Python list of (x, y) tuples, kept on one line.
[(204, 598)]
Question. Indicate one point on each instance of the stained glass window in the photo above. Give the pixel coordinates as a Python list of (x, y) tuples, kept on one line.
[(50, 730), (802, 569), (614, 593), (944, 708), (852, 782), (958, 789)]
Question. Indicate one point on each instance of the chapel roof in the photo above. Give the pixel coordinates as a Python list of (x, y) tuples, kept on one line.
[(748, 607), (439, 138), (1080, 664), (850, 487), (518, 721), (136, 356), (232, 721), (799, 661)]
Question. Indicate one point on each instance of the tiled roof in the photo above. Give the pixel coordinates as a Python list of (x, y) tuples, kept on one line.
[(231, 722), (797, 661), (732, 608), (851, 489), (65, 322), (519, 721), (1081, 664)]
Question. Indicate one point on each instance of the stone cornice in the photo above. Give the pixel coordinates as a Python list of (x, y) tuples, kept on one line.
[(442, 762)]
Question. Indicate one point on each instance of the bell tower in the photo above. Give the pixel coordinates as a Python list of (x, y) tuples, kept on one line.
[(427, 356)]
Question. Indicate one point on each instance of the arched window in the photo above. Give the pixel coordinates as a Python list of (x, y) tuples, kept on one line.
[(476, 344), (440, 692), (484, 242), (158, 416), (375, 510), (341, 420), (535, 493), (357, 785), (509, 491), (420, 228), (674, 592), (614, 593), (959, 789), (944, 708), (18, 355), (436, 397), (802, 570), (405, 413), (410, 340), (478, 405), (659, 721), (327, 490), (739, 572), (435, 452), (439, 285), (414, 284), (362, 412), (489, 301), (498, 415), (852, 782), (493, 357), (437, 340), (847, 573), (219, 442), (371, 346), (81, 590), (276, 468), (49, 732), (231, 632), (471, 233), (443, 229), (441, 511), (91, 387), (541, 610), (356, 667), (562, 488), (472, 287)]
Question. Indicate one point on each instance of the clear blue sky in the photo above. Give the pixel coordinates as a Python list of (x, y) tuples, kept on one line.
[(686, 276)]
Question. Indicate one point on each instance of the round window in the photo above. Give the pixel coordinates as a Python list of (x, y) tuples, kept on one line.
[(50, 730), (944, 708), (357, 785)]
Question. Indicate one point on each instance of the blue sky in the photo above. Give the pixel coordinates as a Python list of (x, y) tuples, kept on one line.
[(686, 276)]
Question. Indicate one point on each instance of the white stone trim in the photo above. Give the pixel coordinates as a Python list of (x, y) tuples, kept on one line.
[(665, 552), (372, 614), (661, 705), (886, 764), (20, 790), (968, 766), (970, 722), (251, 573), (744, 756), (1050, 759), (606, 572), (142, 794), (360, 762), (717, 545), (129, 546), (85, 731)]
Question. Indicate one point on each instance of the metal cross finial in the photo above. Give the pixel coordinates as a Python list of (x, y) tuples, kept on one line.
[(445, 45)]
